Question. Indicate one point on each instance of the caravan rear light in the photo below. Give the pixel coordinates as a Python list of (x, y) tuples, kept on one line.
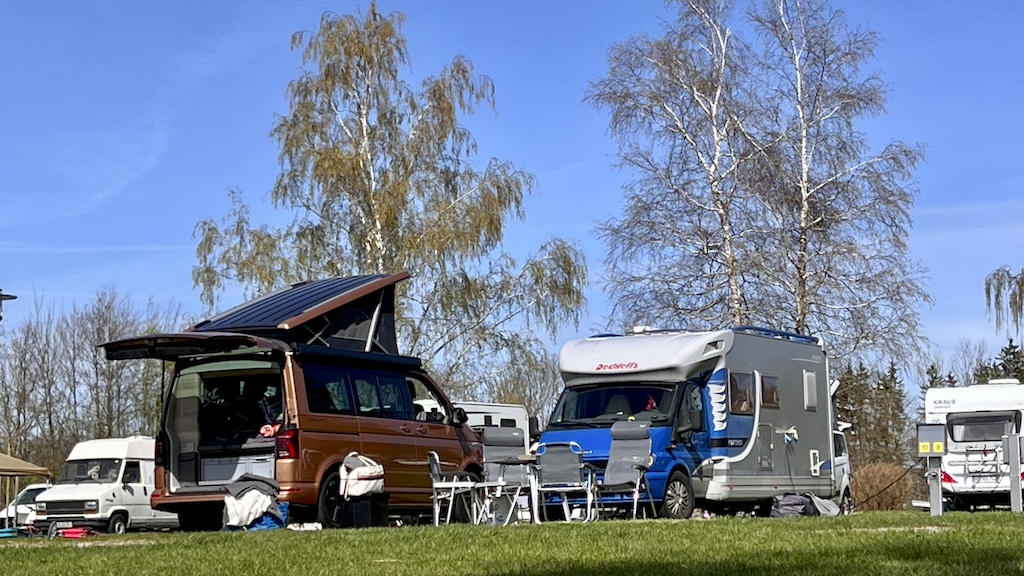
[(288, 444), (947, 479)]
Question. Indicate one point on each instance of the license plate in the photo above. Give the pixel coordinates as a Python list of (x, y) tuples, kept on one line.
[(65, 524)]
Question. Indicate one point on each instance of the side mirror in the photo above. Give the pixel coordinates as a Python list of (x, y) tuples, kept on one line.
[(534, 428), (694, 422), (459, 416)]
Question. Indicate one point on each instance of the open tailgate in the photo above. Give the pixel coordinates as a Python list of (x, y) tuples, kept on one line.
[(171, 346)]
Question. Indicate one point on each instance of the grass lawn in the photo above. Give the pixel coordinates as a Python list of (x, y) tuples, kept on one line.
[(868, 543)]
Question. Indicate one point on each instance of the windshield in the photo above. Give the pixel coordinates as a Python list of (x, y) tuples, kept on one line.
[(28, 496), (982, 428), (94, 471), (600, 405)]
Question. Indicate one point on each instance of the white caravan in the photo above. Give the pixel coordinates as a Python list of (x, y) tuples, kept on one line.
[(976, 419), (484, 414), (106, 485)]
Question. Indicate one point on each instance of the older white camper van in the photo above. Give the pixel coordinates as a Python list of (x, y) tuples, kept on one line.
[(976, 418), (105, 484)]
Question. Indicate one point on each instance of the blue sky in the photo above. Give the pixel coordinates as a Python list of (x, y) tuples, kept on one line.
[(123, 123)]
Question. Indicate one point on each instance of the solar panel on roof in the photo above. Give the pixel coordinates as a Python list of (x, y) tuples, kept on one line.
[(355, 312)]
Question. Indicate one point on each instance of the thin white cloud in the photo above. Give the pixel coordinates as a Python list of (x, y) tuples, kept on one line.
[(103, 164), (989, 209), (26, 249)]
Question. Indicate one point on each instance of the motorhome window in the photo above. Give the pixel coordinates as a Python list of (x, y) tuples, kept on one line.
[(769, 391), (382, 394), (326, 391), (426, 402), (810, 391), (600, 406), (132, 473), (741, 392), (92, 471), (985, 428)]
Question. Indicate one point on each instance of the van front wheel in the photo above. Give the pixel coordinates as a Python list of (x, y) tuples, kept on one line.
[(328, 505), (678, 503), (118, 523)]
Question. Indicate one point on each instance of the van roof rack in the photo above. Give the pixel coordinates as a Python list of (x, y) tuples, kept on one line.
[(780, 334)]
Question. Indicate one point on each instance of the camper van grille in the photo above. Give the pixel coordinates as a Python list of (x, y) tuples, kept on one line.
[(65, 507)]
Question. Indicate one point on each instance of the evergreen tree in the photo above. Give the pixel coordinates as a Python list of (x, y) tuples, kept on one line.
[(933, 379), (1011, 361)]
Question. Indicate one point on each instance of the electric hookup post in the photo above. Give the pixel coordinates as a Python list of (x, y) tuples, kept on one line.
[(931, 444), (1012, 457)]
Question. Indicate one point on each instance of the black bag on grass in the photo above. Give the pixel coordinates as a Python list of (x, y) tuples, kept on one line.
[(793, 505)]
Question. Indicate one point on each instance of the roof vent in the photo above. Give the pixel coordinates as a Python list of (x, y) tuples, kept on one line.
[(1004, 381), (642, 329)]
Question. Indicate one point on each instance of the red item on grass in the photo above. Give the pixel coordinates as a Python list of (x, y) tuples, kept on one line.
[(77, 532)]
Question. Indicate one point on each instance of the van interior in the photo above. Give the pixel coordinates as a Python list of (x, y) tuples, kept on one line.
[(214, 420)]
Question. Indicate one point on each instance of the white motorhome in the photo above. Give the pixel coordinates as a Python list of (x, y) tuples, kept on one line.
[(976, 418), (104, 484), (736, 416)]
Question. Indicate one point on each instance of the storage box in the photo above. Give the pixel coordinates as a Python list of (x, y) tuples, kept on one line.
[(224, 470)]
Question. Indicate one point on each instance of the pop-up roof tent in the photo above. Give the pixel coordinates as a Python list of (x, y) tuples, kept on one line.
[(353, 313), (11, 466)]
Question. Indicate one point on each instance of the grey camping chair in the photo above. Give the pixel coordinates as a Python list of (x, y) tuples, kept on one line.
[(505, 473), (450, 487), (561, 471), (629, 459)]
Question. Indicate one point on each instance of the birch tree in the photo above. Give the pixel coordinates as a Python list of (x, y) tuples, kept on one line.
[(379, 176), (755, 199), (841, 211), (680, 251)]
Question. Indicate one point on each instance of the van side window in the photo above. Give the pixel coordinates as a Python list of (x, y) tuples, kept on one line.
[(382, 394), (426, 402), (132, 473), (395, 401), (326, 392), (366, 395), (741, 392)]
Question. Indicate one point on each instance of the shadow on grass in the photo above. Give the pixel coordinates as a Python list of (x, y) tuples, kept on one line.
[(923, 556)]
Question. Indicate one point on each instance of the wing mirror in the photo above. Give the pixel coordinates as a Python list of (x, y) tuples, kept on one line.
[(693, 423), (459, 417)]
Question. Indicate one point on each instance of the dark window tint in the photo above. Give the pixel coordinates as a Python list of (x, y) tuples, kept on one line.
[(741, 392), (589, 406), (382, 394), (769, 391), (982, 428), (691, 408), (326, 391), (395, 401), (132, 473), (840, 443)]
